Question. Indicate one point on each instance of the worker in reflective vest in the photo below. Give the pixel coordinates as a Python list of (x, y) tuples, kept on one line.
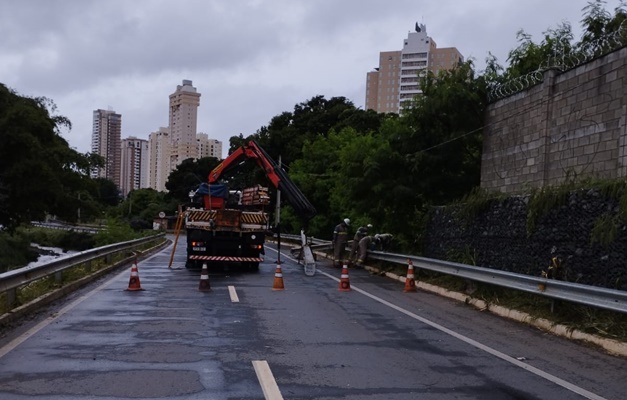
[(340, 238)]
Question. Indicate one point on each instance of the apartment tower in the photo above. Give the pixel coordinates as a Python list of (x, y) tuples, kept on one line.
[(395, 82), (134, 168), (184, 104), (208, 147), (159, 158), (106, 142)]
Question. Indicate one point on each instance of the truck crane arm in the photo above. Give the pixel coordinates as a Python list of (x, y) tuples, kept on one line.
[(278, 177)]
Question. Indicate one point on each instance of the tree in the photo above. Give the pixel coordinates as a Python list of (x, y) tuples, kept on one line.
[(316, 117), (443, 148), (188, 175), (599, 26), (106, 192), (39, 173)]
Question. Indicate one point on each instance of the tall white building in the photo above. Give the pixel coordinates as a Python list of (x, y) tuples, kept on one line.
[(106, 142), (184, 104), (208, 147), (134, 169), (395, 82), (169, 147), (159, 158)]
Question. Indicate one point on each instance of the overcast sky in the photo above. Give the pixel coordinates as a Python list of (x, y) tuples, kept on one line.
[(249, 59)]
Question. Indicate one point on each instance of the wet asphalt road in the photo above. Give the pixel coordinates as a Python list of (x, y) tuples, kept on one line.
[(243, 340)]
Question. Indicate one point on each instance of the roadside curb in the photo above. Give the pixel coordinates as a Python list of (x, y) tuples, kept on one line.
[(614, 347)]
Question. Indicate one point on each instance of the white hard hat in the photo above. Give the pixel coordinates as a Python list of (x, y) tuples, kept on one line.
[(369, 226), (347, 221)]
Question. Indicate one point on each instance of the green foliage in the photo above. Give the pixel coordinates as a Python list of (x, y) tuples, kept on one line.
[(142, 206), (605, 230), (39, 173), (467, 255), (116, 231), (529, 56), (15, 251), (443, 146), (187, 176), (477, 201), (287, 132), (106, 193), (543, 200), (599, 24)]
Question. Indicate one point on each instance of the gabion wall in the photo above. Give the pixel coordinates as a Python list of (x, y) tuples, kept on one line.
[(497, 238)]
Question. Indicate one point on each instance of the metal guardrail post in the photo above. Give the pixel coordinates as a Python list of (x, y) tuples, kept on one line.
[(11, 297), (588, 295)]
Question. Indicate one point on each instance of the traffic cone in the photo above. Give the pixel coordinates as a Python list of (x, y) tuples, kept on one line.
[(410, 283), (345, 284), (278, 278), (133, 283), (204, 285)]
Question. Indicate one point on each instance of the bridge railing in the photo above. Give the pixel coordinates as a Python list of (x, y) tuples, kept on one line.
[(12, 281), (609, 299)]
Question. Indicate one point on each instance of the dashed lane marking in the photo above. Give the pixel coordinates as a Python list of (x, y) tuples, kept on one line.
[(266, 379), (233, 294)]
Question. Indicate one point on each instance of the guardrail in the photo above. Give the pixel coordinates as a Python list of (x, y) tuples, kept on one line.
[(10, 281), (609, 299), (75, 228)]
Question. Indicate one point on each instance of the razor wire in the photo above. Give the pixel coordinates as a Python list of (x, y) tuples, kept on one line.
[(564, 57)]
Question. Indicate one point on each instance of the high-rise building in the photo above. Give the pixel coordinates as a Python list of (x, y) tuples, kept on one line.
[(395, 83), (208, 147), (106, 142), (134, 171), (159, 158), (184, 104)]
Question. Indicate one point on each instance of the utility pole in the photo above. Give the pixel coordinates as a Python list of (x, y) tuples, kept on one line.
[(277, 219)]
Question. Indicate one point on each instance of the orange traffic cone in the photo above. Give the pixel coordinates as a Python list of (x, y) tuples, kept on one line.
[(410, 283), (133, 283), (278, 278), (345, 284), (204, 285)]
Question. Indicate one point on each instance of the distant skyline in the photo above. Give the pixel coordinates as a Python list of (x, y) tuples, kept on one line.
[(250, 60)]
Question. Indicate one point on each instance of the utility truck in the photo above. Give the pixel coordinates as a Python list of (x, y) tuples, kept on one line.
[(230, 226)]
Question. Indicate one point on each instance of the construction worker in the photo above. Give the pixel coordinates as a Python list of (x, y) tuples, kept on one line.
[(365, 244), (359, 234), (340, 238), (384, 240)]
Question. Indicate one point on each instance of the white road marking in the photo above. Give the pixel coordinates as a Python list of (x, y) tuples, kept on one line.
[(266, 379), (233, 294), (24, 336), (552, 378), (32, 331), (567, 385)]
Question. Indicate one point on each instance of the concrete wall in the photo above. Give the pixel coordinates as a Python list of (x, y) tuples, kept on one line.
[(571, 125)]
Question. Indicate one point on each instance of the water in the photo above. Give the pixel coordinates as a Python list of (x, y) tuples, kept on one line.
[(49, 254)]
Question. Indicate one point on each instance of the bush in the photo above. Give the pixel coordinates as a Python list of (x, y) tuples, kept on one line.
[(15, 251), (115, 232)]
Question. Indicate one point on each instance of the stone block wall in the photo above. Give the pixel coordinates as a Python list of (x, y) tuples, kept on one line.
[(571, 125), (498, 238)]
